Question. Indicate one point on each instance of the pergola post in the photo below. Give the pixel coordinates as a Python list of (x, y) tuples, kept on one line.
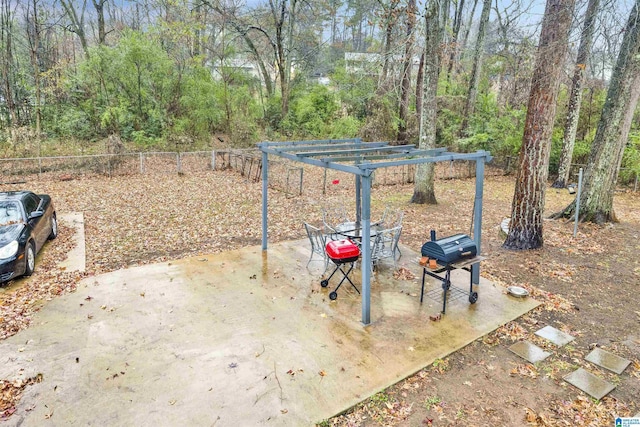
[(477, 216), (366, 249), (358, 192), (358, 200), (265, 187)]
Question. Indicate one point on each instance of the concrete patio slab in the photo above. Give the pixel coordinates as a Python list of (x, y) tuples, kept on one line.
[(241, 337), (554, 335), (608, 360), (592, 385), (529, 351), (76, 258)]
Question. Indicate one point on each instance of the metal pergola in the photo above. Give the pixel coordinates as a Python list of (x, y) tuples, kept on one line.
[(362, 159)]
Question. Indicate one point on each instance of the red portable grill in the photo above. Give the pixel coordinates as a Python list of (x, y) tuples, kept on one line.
[(341, 252)]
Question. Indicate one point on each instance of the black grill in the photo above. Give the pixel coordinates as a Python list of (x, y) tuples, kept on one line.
[(449, 249)]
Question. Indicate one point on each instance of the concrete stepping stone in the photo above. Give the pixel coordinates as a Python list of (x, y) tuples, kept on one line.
[(529, 351), (589, 383), (608, 360), (554, 335)]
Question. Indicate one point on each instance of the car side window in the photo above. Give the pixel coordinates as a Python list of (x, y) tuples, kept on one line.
[(31, 203)]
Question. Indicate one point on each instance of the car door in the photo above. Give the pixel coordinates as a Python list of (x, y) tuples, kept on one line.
[(38, 225)]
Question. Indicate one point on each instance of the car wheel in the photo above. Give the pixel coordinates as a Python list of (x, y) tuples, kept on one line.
[(54, 228), (30, 259)]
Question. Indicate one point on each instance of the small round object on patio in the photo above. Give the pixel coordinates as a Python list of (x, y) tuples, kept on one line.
[(517, 291), (324, 283), (333, 295), (473, 297)]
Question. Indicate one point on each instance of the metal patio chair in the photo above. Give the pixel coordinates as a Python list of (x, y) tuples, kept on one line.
[(331, 218), (391, 218), (385, 246), (318, 242)]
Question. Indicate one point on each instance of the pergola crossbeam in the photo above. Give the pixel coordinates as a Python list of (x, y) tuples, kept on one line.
[(349, 146), (387, 148)]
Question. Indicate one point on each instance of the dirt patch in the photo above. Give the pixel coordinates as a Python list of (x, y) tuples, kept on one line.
[(588, 283)]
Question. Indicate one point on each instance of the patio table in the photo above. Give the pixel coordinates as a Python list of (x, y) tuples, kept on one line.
[(353, 231)]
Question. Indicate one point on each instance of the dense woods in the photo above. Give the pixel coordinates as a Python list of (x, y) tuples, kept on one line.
[(110, 75)]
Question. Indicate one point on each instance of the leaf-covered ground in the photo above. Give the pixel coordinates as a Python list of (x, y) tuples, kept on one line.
[(589, 284)]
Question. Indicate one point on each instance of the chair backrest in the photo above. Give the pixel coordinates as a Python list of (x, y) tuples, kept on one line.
[(316, 238), (391, 218), (385, 243), (334, 216)]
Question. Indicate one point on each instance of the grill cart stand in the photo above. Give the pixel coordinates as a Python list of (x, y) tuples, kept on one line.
[(341, 252), (447, 289)]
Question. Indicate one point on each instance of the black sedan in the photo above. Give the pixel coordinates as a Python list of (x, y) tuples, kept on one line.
[(27, 221)]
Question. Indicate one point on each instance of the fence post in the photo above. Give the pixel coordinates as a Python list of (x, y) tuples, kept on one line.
[(109, 165), (301, 175), (141, 164), (213, 159), (324, 182), (178, 166), (635, 185), (40, 168)]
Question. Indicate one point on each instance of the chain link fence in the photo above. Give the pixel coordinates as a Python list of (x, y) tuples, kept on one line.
[(286, 176)]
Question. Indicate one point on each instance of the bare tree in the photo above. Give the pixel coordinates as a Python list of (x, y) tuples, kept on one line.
[(244, 29), (76, 24), (477, 67), (283, 13), (575, 97), (406, 73), (457, 23), (390, 18), (601, 174), (525, 230), (99, 7), (34, 29), (424, 191), (7, 13), (467, 29)]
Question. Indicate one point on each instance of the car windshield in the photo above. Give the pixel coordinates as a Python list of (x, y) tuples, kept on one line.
[(9, 213)]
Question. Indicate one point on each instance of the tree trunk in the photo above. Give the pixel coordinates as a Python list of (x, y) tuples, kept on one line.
[(77, 23), (406, 74), (601, 175), (575, 98), (468, 27), (457, 21), (420, 87), (423, 191), (525, 230), (33, 38), (388, 38), (102, 34), (6, 37), (283, 45), (261, 65), (472, 94)]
